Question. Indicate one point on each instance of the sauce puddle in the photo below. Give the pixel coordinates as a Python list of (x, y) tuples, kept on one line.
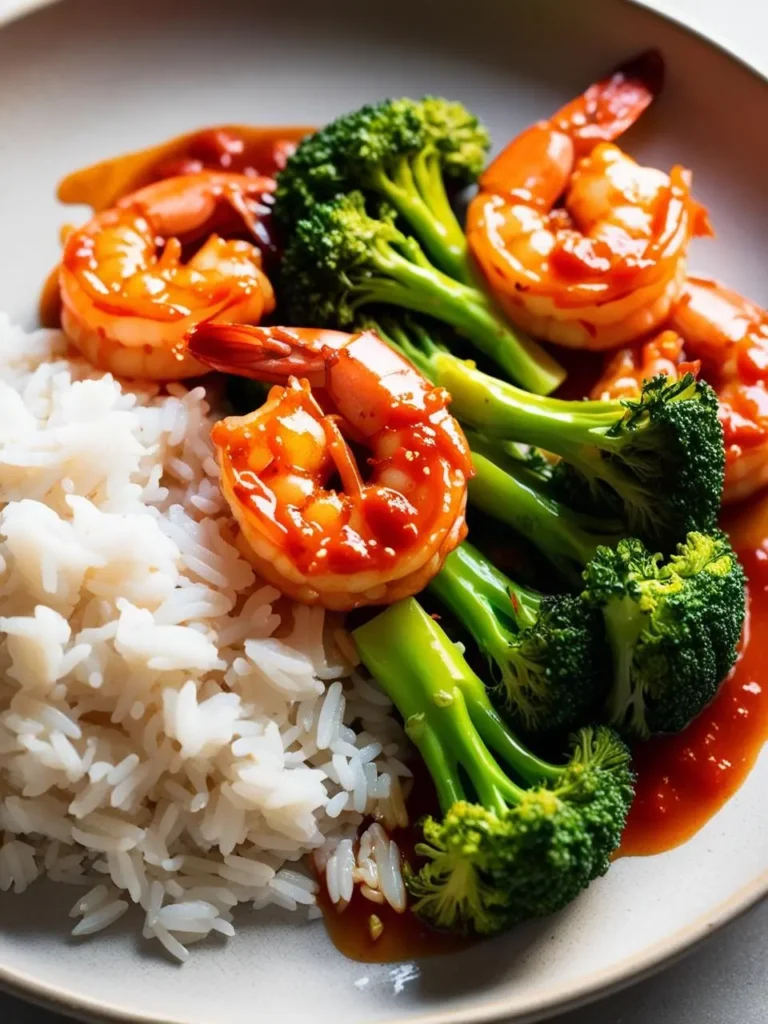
[(403, 937), (684, 780)]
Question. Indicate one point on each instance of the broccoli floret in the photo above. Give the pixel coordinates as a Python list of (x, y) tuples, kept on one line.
[(519, 837), (673, 627), (666, 671), (547, 654), (658, 462), (342, 260), (400, 150)]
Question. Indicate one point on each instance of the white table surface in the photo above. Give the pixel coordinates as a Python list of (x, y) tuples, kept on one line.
[(725, 981)]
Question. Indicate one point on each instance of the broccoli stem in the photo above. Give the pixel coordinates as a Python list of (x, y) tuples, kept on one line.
[(580, 432), (499, 410), (467, 575), (417, 192), (491, 606), (446, 708), (495, 610), (410, 281), (568, 538)]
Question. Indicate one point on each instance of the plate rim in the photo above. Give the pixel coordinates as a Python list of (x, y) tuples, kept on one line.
[(567, 996)]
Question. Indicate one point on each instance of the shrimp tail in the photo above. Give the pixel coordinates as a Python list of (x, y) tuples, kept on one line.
[(646, 71), (269, 354), (547, 151), (609, 107)]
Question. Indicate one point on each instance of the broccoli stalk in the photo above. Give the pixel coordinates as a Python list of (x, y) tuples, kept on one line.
[(547, 655), (658, 461), (519, 837), (341, 261), (672, 625), (504, 488), (401, 151)]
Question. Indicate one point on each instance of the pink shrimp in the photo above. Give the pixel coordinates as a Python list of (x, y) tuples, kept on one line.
[(607, 265), (727, 336), (375, 538), (128, 296)]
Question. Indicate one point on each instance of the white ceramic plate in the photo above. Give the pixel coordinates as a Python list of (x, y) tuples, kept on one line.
[(87, 78)]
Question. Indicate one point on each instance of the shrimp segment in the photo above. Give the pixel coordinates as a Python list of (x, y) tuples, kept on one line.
[(605, 266), (727, 335), (246, 149), (378, 536), (128, 296)]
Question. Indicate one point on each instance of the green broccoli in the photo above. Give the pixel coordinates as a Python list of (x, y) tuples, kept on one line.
[(399, 150), (518, 837), (506, 488), (657, 461), (342, 260), (673, 626), (546, 654)]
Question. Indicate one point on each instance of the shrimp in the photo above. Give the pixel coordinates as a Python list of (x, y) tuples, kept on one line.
[(627, 368), (375, 538), (246, 149), (607, 265), (727, 335), (128, 298)]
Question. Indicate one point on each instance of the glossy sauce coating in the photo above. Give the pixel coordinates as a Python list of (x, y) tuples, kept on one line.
[(352, 528), (243, 149), (684, 780), (404, 937)]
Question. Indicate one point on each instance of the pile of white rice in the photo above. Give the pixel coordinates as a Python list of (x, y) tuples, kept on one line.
[(158, 743)]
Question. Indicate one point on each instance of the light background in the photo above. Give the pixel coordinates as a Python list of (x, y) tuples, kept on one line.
[(726, 980)]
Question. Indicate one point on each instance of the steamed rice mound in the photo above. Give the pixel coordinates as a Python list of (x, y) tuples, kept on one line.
[(159, 743)]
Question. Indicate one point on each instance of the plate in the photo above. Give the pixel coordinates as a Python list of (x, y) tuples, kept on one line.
[(84, 79)]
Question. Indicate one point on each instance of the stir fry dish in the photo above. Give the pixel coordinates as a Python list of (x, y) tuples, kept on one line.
[(351, 599)]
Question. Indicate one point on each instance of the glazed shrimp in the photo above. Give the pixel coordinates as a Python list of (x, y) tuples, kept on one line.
[(627, 368), (728, 337), (245, 149), (606, 265), (376, 537), (729, 334), (128, 298)]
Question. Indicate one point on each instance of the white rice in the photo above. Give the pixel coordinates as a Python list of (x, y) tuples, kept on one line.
[(159, 744)]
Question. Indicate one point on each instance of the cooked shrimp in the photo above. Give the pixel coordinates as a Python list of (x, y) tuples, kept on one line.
[(606, 266), (728, 336), (627, 368), (374, 538), (242, 148), (129, 298)]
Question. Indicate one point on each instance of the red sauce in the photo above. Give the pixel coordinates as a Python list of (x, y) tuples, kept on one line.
[(684, 780), (404, 937)]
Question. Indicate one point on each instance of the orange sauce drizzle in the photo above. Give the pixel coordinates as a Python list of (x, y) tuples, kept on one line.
[(684, 780)]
